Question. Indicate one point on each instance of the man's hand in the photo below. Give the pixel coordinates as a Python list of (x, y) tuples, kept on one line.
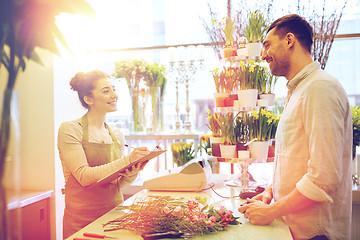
[(266, 196), (258, 212)]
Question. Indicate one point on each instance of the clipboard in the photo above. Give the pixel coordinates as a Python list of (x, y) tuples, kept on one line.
[(117, 174)]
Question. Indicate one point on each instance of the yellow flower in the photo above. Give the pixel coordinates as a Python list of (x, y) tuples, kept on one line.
[(251, 61), (251, 69), (242, 64)]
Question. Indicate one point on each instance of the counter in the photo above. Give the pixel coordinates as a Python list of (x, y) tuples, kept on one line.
[(277, 230), (29, 213)]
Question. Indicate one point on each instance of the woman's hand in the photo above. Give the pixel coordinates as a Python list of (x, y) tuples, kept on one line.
[(133, 170), (138, 153)]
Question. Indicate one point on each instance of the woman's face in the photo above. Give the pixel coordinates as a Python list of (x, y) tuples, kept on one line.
[(103, 97)]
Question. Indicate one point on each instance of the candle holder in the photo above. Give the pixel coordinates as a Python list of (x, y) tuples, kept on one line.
[(185, 71)]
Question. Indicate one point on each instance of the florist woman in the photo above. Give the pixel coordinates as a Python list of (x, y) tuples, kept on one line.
[(89, 151)]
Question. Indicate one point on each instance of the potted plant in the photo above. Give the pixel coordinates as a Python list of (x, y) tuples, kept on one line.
[(226, 123), (229, 49), (214, 127), (254, 32), (248, 93), (262, 126), (269, 81), (225, 83)]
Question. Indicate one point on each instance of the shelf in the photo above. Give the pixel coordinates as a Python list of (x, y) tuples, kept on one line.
[(240, 109), (237, 160)]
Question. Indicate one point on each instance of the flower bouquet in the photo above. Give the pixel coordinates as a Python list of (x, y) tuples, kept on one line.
[(182, 152), (213, 125), (162, 214)]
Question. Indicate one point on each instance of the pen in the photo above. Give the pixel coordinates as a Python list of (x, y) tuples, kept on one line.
[(127, 145)]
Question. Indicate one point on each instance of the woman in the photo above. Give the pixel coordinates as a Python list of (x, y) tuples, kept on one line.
[(89, 151)]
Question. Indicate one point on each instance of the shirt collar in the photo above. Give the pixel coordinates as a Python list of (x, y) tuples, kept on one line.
[(291, 85)]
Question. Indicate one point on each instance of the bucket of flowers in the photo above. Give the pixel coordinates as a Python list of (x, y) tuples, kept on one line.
[(172, 216)]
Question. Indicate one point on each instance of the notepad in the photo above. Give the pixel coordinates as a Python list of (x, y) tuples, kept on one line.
[(117, 174)]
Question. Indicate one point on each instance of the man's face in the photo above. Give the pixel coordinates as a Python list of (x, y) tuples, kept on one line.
[(275, 54)]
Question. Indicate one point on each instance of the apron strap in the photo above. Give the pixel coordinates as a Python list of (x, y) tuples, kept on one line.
[(113, 137), (84, 122)]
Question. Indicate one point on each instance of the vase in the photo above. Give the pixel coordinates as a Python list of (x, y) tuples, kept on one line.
[(269, 97), (138, 112), (155, 119), (215, 146), (247, 98), (228, 151), (254, 49), (259, 150)]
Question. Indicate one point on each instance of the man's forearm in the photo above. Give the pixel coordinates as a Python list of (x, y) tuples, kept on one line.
[(291, 203)]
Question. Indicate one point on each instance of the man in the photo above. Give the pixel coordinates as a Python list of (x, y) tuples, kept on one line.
[(312, 168)]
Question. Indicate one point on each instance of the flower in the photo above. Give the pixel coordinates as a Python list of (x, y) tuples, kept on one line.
[(177, 214), (213, 124), (355, 113), (262, 124), (182, 152)]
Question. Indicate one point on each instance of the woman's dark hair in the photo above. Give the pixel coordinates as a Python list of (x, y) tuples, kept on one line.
[(85, 83), (297, 25)]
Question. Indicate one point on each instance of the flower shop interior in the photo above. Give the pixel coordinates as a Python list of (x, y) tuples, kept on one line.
[(189, 56)]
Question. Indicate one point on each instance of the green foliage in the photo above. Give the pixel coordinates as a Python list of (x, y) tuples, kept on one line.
[(213, 123), (226, 123), (229, 32), (226, 80), (256, 27), (355, 112), (262, 125)]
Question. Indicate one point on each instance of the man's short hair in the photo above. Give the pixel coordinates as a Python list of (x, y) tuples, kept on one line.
[(297, 25)]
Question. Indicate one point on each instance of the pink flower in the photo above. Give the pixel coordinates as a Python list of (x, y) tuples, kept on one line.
[(192, 203), (213, 218), (202, 216), (209, 223), (221, 210), (186, 219), (166, 210), (177, 211), (194, 218)]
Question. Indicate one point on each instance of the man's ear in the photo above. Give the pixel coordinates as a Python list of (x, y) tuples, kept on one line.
[(88, 100), (290, 39)]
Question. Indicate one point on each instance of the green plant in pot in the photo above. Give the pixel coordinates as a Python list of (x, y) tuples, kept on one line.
[(229, 49), (226, 123), (254, 32), (24, 26)]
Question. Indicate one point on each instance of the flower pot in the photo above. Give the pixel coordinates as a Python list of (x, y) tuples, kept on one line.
[(215, 146), (220, 98), (228, 102), (228, 151), (254, 49), (229, 52), (262, 103), (259, 150), (248, 97), (243, 154), (269, 97)]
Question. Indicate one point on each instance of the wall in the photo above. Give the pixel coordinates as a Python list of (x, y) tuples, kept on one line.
[(36, 123)]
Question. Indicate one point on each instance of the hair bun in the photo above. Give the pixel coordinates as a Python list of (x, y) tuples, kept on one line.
[(75, 82)]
